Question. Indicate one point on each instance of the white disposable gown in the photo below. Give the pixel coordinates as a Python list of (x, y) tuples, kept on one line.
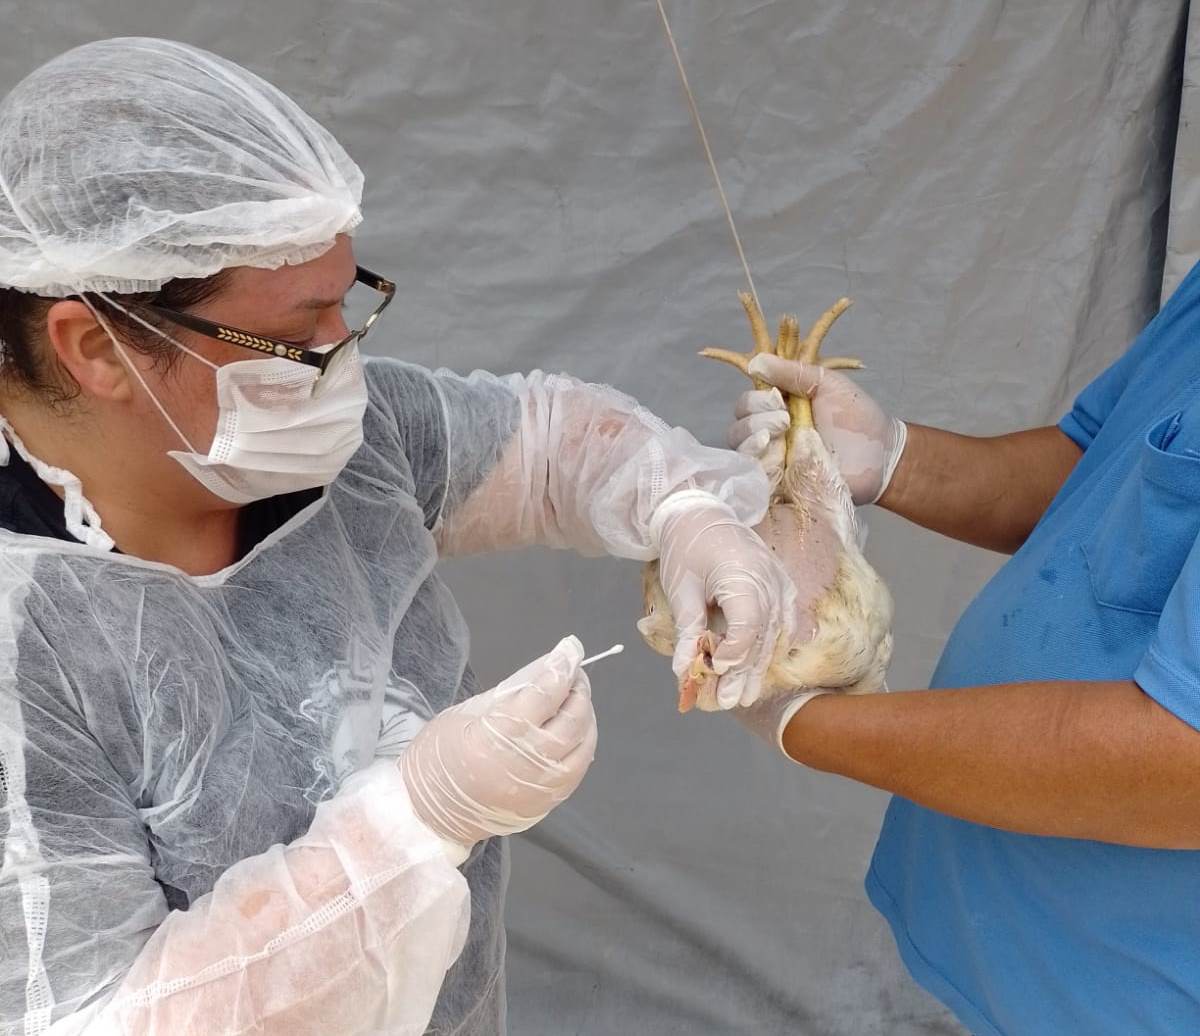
[(203, 829)]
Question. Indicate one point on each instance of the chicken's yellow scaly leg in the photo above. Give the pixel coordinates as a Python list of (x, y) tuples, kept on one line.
[(788, 345)]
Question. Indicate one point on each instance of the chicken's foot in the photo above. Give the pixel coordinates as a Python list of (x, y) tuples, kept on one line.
[(788, 345)]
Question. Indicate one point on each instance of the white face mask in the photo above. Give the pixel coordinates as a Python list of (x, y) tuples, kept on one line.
[(281, 427)]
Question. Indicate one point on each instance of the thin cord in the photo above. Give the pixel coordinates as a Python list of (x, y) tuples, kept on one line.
[(691, 100)]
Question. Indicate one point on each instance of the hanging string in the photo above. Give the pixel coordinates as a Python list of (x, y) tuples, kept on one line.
[(712, 165)]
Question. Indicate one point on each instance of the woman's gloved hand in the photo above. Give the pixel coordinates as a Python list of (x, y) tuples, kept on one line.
[(865, 441), (707, 556), (499, 762)]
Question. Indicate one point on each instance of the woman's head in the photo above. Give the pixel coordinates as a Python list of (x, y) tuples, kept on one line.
[(138, 172), (138, 407)]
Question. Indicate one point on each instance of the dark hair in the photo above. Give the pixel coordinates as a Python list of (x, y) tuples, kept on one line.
[(27, 361)]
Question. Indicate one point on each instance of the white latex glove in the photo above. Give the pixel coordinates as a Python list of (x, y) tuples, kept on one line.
[(865, 441), (769, 719), (499, 762), (760, 422), (707, 555)]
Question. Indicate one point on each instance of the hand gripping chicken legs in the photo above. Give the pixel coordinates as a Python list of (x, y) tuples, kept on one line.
[(843, 624)]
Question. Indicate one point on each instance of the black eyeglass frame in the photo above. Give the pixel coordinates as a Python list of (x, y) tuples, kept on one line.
[(275, 347)]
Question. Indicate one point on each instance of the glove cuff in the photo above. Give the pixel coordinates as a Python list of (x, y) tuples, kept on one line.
[(677, 503), (789, 713), (899, 441), (768, 720), (404, 800)]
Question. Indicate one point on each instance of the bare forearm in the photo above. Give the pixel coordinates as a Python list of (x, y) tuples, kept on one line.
[(1101, 761), (986, 492)]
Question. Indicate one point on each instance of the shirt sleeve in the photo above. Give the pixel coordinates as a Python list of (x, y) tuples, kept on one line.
[(1094, 404), (1170, 670)]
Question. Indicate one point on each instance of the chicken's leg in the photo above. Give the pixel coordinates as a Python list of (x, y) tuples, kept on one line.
[(788, 346), (760, 335)]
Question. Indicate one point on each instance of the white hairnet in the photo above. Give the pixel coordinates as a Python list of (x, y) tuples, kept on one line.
[(126, 163)]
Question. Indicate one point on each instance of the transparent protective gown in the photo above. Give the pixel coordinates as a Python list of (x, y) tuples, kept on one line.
[(204, 828)]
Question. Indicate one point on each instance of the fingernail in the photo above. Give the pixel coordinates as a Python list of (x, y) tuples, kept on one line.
[(570, 648), (780, 422), (758, 364)]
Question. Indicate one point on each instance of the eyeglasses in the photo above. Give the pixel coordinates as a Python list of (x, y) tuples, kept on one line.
[(286, 350)]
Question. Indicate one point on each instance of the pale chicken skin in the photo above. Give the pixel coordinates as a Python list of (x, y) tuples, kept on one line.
[(842, 636)]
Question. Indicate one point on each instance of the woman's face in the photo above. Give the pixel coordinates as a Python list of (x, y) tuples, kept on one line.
[(301, 304)]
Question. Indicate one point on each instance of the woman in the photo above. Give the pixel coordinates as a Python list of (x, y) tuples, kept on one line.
[(219, 617)]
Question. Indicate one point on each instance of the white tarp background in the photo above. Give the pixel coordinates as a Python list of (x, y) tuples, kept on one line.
[(988, 180)]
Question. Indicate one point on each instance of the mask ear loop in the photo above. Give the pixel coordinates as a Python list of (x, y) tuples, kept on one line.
[(133, 367), (148, 326)]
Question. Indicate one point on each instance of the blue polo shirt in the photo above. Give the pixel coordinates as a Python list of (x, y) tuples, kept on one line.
[(1026, 935)]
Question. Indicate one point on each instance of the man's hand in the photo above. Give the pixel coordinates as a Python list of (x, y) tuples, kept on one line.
[(866, 442), (989, 492)]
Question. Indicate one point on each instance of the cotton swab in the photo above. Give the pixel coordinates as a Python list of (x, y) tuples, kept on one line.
[(616, 649)]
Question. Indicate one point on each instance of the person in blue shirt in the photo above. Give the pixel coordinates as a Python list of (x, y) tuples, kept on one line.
[(1040, 862)]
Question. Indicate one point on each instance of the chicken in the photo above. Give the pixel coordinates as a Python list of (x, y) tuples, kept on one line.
[(843, 634)]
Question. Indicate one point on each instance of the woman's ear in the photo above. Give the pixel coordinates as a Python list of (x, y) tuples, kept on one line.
[(86, 353)]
